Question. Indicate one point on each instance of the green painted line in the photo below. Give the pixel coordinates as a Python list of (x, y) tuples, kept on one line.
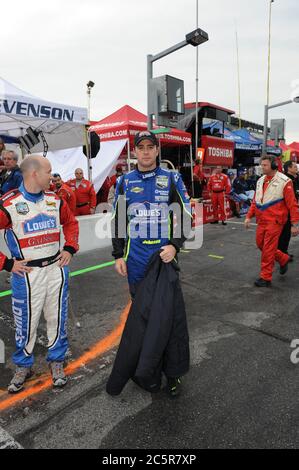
[(75, 273), (185, 251), (216, 257), (91, 268), (5, 293)]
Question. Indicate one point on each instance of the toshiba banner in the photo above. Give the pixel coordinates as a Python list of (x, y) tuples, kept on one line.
[(218, 151)]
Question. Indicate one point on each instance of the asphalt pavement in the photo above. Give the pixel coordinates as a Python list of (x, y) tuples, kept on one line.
[(241, 391)]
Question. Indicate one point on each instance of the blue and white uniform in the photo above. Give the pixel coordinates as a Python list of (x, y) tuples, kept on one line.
[(32, 224)]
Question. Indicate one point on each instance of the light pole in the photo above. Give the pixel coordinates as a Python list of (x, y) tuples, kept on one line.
[(268, 81), (195, 38), (89, 85), (196, 94), (269, 52), (267, 107)]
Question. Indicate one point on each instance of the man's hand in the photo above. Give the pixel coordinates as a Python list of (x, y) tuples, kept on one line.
[(294, 231), (64, 258), (121, 267), (168, 253), (92, 210), (247, 223), (19, 267)]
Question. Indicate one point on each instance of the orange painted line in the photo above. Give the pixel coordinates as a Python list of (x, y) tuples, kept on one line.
[(44, 382)]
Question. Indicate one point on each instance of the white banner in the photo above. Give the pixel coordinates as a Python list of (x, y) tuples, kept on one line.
[(66, 161), (62, 125)]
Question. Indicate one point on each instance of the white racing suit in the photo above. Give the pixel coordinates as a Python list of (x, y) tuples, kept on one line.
[(32, 224)]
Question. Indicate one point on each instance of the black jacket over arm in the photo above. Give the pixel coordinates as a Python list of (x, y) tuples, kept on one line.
[(155, 336)]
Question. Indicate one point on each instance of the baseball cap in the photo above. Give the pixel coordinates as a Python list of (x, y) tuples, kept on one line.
[(145, 135)]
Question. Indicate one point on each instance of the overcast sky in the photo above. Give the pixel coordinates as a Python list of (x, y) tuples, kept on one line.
[(51, 49)]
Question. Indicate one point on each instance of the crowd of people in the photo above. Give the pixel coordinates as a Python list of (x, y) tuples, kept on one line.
[(35, 203)]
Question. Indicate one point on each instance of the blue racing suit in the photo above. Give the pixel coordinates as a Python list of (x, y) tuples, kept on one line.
[(151, 209)]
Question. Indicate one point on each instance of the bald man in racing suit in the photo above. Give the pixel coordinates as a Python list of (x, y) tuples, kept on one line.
[(31, 217)]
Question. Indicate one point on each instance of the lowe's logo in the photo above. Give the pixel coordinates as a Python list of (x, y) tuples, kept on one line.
[(148, 212), (39, 223), (35, 110)]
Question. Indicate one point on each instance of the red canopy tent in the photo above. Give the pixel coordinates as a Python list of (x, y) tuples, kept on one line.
[(290, 152), (127, 121)]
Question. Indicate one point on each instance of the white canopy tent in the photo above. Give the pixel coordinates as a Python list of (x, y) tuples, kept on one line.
[(66, 161), (62, 125)]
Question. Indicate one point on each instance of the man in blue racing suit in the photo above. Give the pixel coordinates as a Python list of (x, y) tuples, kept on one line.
[(152, 213)]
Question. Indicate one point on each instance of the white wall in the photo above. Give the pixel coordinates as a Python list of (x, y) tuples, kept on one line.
[(94, 233)]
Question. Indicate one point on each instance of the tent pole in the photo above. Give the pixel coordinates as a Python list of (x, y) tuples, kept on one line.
[(128, 154), (21, 146), (88, 148), (160, 151), (191, 166)]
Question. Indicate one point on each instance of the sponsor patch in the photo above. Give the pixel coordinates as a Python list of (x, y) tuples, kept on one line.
[(137, 190), (52, 204), (40, 223), (22, 208), (161, 198), (162, 182), (161, 193), (176, 177), (148, 175), (151, 242)]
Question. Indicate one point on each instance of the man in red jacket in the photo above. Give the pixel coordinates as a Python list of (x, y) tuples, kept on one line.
[(64, 192), (119, 172), (198, 178), (86, 199), (274, 199), (218, 186)]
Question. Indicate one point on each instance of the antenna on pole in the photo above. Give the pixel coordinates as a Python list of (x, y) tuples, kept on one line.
[(238, 74), (196, 80)]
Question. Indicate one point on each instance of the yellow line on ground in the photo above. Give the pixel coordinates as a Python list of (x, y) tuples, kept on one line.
[(216, 257)]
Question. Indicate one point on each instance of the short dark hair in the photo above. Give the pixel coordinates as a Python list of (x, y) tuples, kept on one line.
[(267, 157), (287, 166), (56, 175), (143, 135)]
